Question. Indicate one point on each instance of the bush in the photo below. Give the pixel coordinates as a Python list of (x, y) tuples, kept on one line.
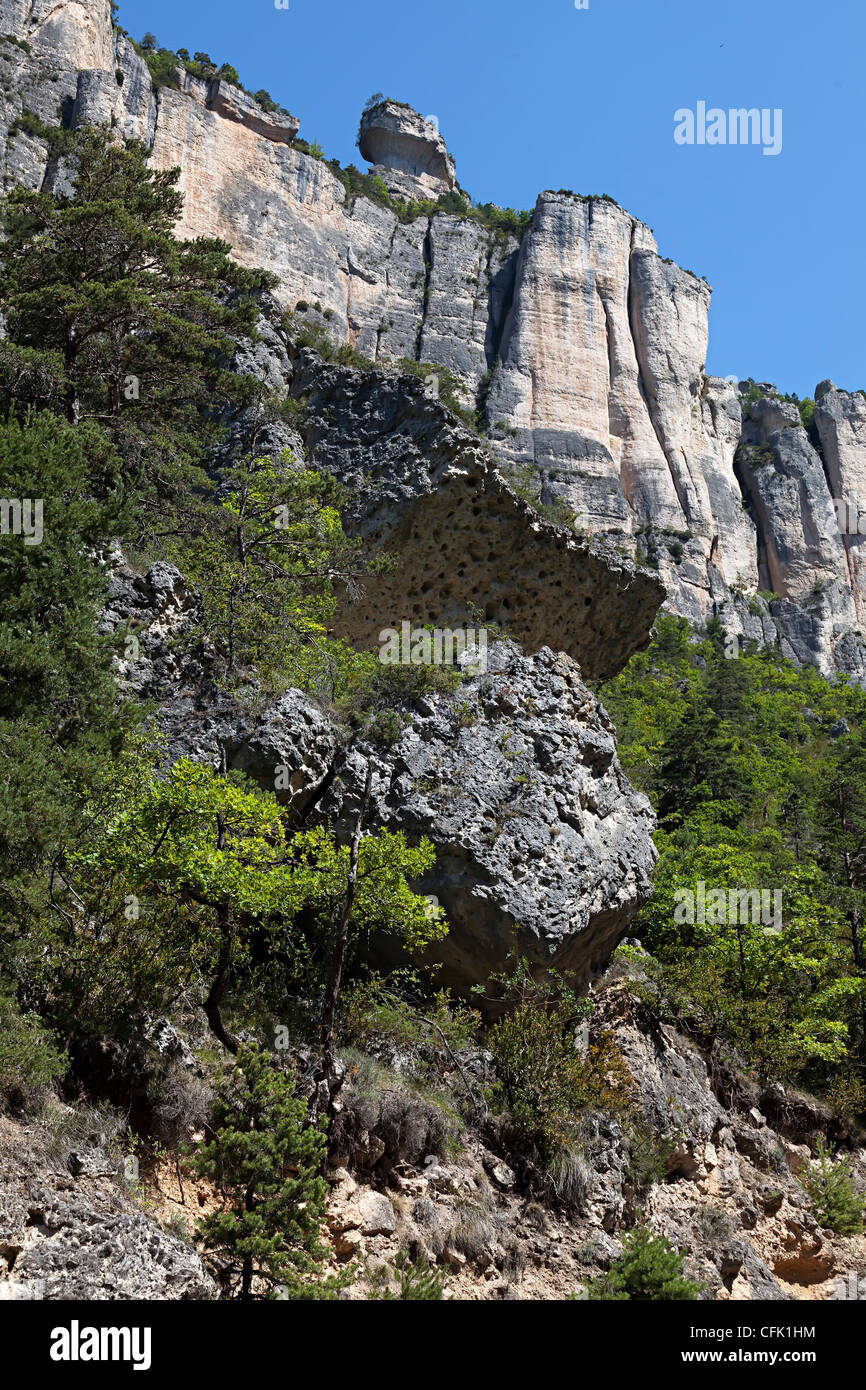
[(449, 387), (386, 1119), (314, 335), (378, 698), (543, 1079), (416, 1280), (836, 1203), (179, 1101), (648, 1269), (570, 1176), (374, 1014), (647, 1157), (525, 483), (29, 1058), (847, 1095), (714, 1224)]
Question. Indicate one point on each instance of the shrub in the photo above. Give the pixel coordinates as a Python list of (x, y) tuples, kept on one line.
[(847, 1095), (29, 1058), (648, 1269), (525, 483), (570, 1176), (387, 1119), (714, 1224), (543, 1079), (374, 1013), (416, 1280), (179, 1102), (314, 335), (449, 387), (647, 1157), (474, 1232), (378, 699), (836, 1203)]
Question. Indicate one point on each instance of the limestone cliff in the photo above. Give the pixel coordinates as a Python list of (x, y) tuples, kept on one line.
[(586, 349)]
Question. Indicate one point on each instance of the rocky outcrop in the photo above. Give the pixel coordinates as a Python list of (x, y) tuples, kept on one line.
[(840, 421), (406, 151), (69, 1229), (541, 843), (804, 557), (540, 840), (235, 105), (471, 550), (727, 1193)]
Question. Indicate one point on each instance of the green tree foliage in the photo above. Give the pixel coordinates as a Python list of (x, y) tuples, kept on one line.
[(267, 567), (124, 887), (60, 722), (29, 1056), (753, 793), (836, 1203), (648, 1269), (266, 1160), (179, 873), (113, 320)]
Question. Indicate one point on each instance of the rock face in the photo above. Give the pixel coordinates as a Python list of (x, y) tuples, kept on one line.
[(731, 1200), (793, 484), (585, 348), (471, 550), (540, 840)]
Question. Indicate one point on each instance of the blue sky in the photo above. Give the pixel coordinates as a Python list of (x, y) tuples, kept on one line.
[(541, 95)]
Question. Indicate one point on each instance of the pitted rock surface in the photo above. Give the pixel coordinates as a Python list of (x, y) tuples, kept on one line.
[(68, 1230)]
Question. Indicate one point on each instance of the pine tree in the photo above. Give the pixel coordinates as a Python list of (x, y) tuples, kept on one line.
[(267, 1163), (60, 721), (701, 762), (836, 1203), (648, 1269), (111, 319), (841, 805)]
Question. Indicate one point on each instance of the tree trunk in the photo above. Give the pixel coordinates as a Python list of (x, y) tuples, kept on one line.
[(220, 984), (341, 938), (225, 926)]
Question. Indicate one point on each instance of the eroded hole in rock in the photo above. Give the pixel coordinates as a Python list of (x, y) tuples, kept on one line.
[(803, 1269)]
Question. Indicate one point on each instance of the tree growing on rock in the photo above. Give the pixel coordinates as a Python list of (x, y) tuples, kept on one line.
[(648, 1269)]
